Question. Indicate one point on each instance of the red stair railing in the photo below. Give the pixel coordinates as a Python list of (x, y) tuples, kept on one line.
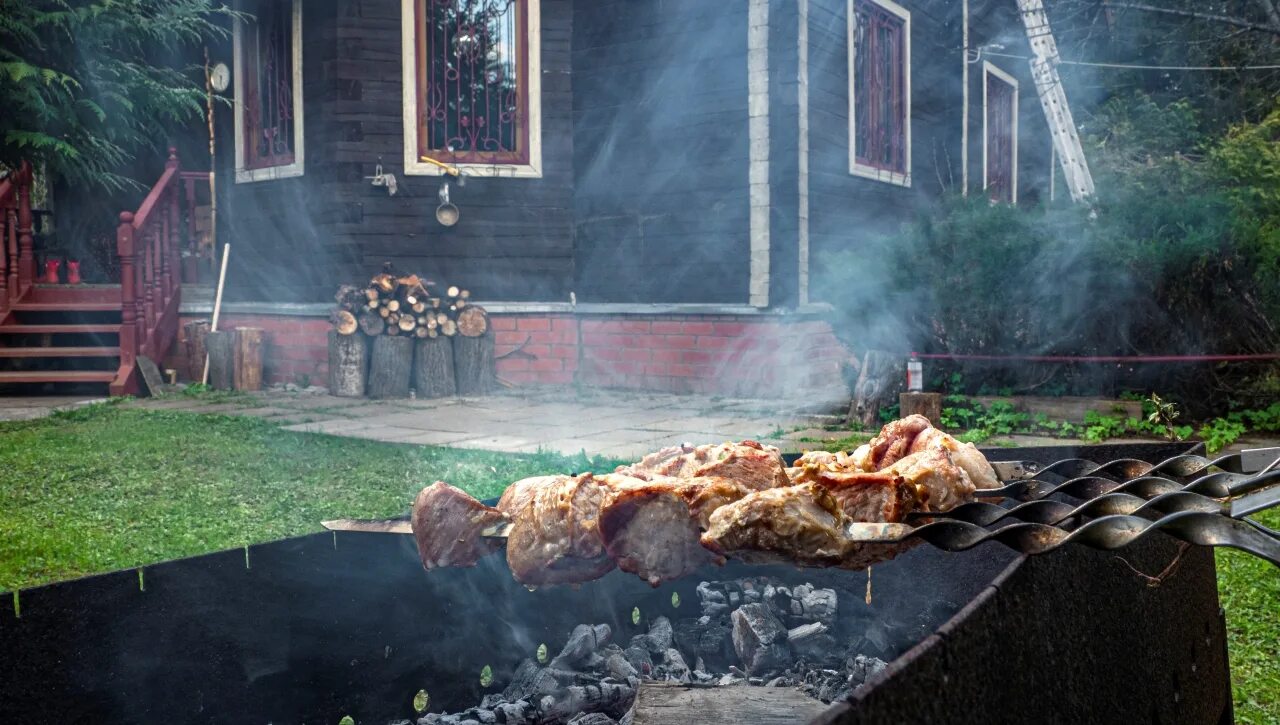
[(148, 242), (17, 261)]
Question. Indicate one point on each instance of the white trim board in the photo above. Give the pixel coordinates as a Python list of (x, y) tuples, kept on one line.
[(758, 155), (989, 69), (298, 166), (864, 170), (802, 143), (413, 166)]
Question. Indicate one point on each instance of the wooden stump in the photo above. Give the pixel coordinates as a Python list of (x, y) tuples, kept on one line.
[(348, 365), (390, 367), (882, 377), (194, 334), (473, 364), (433, 375), (927, 404), (248, 358), (219, 345)]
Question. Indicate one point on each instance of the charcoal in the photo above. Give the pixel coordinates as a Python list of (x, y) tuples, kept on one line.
[(676, 667), (530, 680), (617, 665), (711, 640), (759, 638), (713, 601), (583, 643), (610, 698), (862, 668), (730, 679), (660, 636), (640, 659), (814, 605), (593, 718), (519, 712)]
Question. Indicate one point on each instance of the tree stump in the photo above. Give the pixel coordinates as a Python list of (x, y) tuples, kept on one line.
[(248, 358), (881, 378), (927, 404), (390, 367), (219, 346), (348, 365), (194, 334), (433, 375), (473, 364)]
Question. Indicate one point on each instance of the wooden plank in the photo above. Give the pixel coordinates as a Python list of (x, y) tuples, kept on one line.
[(663, 703), (151, 376), (59, 329), (27, 352), (58, 376)]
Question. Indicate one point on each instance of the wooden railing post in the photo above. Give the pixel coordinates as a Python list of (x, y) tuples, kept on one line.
[(11, 251), (128, 291), (6, 231), (170, 227), (26, 255)]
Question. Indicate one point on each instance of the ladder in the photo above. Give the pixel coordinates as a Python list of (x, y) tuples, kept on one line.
[(1053, 99)]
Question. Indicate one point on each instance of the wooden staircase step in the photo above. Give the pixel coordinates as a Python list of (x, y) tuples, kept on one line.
[(72, 329), (55, 352), (58, 376), (67, 307)]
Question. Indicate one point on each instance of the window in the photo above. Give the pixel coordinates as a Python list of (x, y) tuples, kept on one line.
[(1000, 134), (472, 86), (880, 91), (268, 91)]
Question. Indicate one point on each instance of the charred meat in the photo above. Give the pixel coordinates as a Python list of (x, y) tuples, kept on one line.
[(447, 524), (555, 538), (748, 463)]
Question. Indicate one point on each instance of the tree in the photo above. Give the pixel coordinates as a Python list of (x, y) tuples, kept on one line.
[(88, 84)]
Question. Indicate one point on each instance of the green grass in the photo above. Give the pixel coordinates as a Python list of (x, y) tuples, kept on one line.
[(103, 488), (1250, 592)]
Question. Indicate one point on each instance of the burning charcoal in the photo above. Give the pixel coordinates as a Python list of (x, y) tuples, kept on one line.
[(814, 605), (519, 712), (616, 664), (593, 718), (759, 638), (862, 668), (676, 667), (713, 601), (639, 658), (583, 643), (609, 698), (705, 638), (530, 680), (660, 635), (813, 642)]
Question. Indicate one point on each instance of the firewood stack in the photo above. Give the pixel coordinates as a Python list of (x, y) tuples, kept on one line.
[(407, 306)]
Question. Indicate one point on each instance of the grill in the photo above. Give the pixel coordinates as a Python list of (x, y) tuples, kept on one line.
[(312, 629)]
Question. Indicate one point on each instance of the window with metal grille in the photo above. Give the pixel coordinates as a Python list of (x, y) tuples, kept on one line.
[(267, 65), (880, 87), (1000, 124), (472, 80)]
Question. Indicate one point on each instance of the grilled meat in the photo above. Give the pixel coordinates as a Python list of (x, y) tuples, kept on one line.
[(554, 538), (519, 494), (749, 463), (883, 496), (940, 484), (447, 525), (966, 456)]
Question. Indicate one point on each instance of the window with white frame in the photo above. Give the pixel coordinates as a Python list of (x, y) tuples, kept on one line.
[(267, 45), (472, 86), (999, 134), (880, 91)]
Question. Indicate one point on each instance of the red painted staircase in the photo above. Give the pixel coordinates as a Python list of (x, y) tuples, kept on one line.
[(93, 334)]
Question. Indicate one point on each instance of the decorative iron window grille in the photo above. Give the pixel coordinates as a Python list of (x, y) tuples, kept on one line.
[(879, 87), (267, 63), (473, 89), (1001, 137)]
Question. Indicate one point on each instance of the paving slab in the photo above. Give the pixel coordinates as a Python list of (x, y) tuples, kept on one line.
[(433, 438), (331, 426)]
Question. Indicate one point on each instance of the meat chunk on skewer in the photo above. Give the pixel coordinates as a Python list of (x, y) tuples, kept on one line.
[(555, 537), (940, 483), (882, 497), (966, 456), (519, 494), (447, 524), (652, 528), (749, 463)]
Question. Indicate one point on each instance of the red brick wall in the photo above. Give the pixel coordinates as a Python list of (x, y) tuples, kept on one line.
[(746, 355)]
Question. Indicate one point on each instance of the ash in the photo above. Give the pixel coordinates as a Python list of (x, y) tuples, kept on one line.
[(752, 632)]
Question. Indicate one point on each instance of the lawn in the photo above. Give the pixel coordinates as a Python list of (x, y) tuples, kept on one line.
[(104, 488)]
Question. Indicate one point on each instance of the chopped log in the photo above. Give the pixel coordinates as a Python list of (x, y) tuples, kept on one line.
[(390, 366), (194, 334), (385, 283), (345, 322), (420, 331), (384, 311), (248, 358), (435, 302), (465, 294), (459, 303), (441, 317), (449, 327), (393, 319), (451, 292), (473, 322), (927, 404), (669, 702), (419, 307), (474, 365), (371, 324), (371, 294), (219, 345), (880, 380), (393, 305), (392, 330), (348, 365), (373, 304), (406, 323), (433, 375), (348, 297)]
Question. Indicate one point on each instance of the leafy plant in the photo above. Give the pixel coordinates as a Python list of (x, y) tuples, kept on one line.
[(1220, 433)]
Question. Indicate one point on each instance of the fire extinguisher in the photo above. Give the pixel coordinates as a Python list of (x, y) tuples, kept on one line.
[(915, 374)]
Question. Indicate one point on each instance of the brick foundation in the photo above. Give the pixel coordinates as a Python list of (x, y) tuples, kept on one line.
[(738, 355)]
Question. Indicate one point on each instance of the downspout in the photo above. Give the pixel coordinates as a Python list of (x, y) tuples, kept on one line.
[(964, 102)]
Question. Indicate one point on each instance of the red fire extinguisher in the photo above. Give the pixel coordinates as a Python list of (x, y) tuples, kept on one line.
[(51, 271)]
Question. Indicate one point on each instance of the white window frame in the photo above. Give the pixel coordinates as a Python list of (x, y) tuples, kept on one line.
[(413, 165), (245, 175), (989, 69), (865, 170)]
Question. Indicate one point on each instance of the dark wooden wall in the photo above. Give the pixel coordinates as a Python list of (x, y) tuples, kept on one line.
[(296, 239), (660, 150)]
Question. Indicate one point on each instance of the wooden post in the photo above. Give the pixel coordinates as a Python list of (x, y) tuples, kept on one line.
[(194, 333), (219, 345), (473, 364), (927, 404), (26, 255), (390, 367), (433, 375), (348, 365), (248, 358), (128, 304), (6, 229)]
